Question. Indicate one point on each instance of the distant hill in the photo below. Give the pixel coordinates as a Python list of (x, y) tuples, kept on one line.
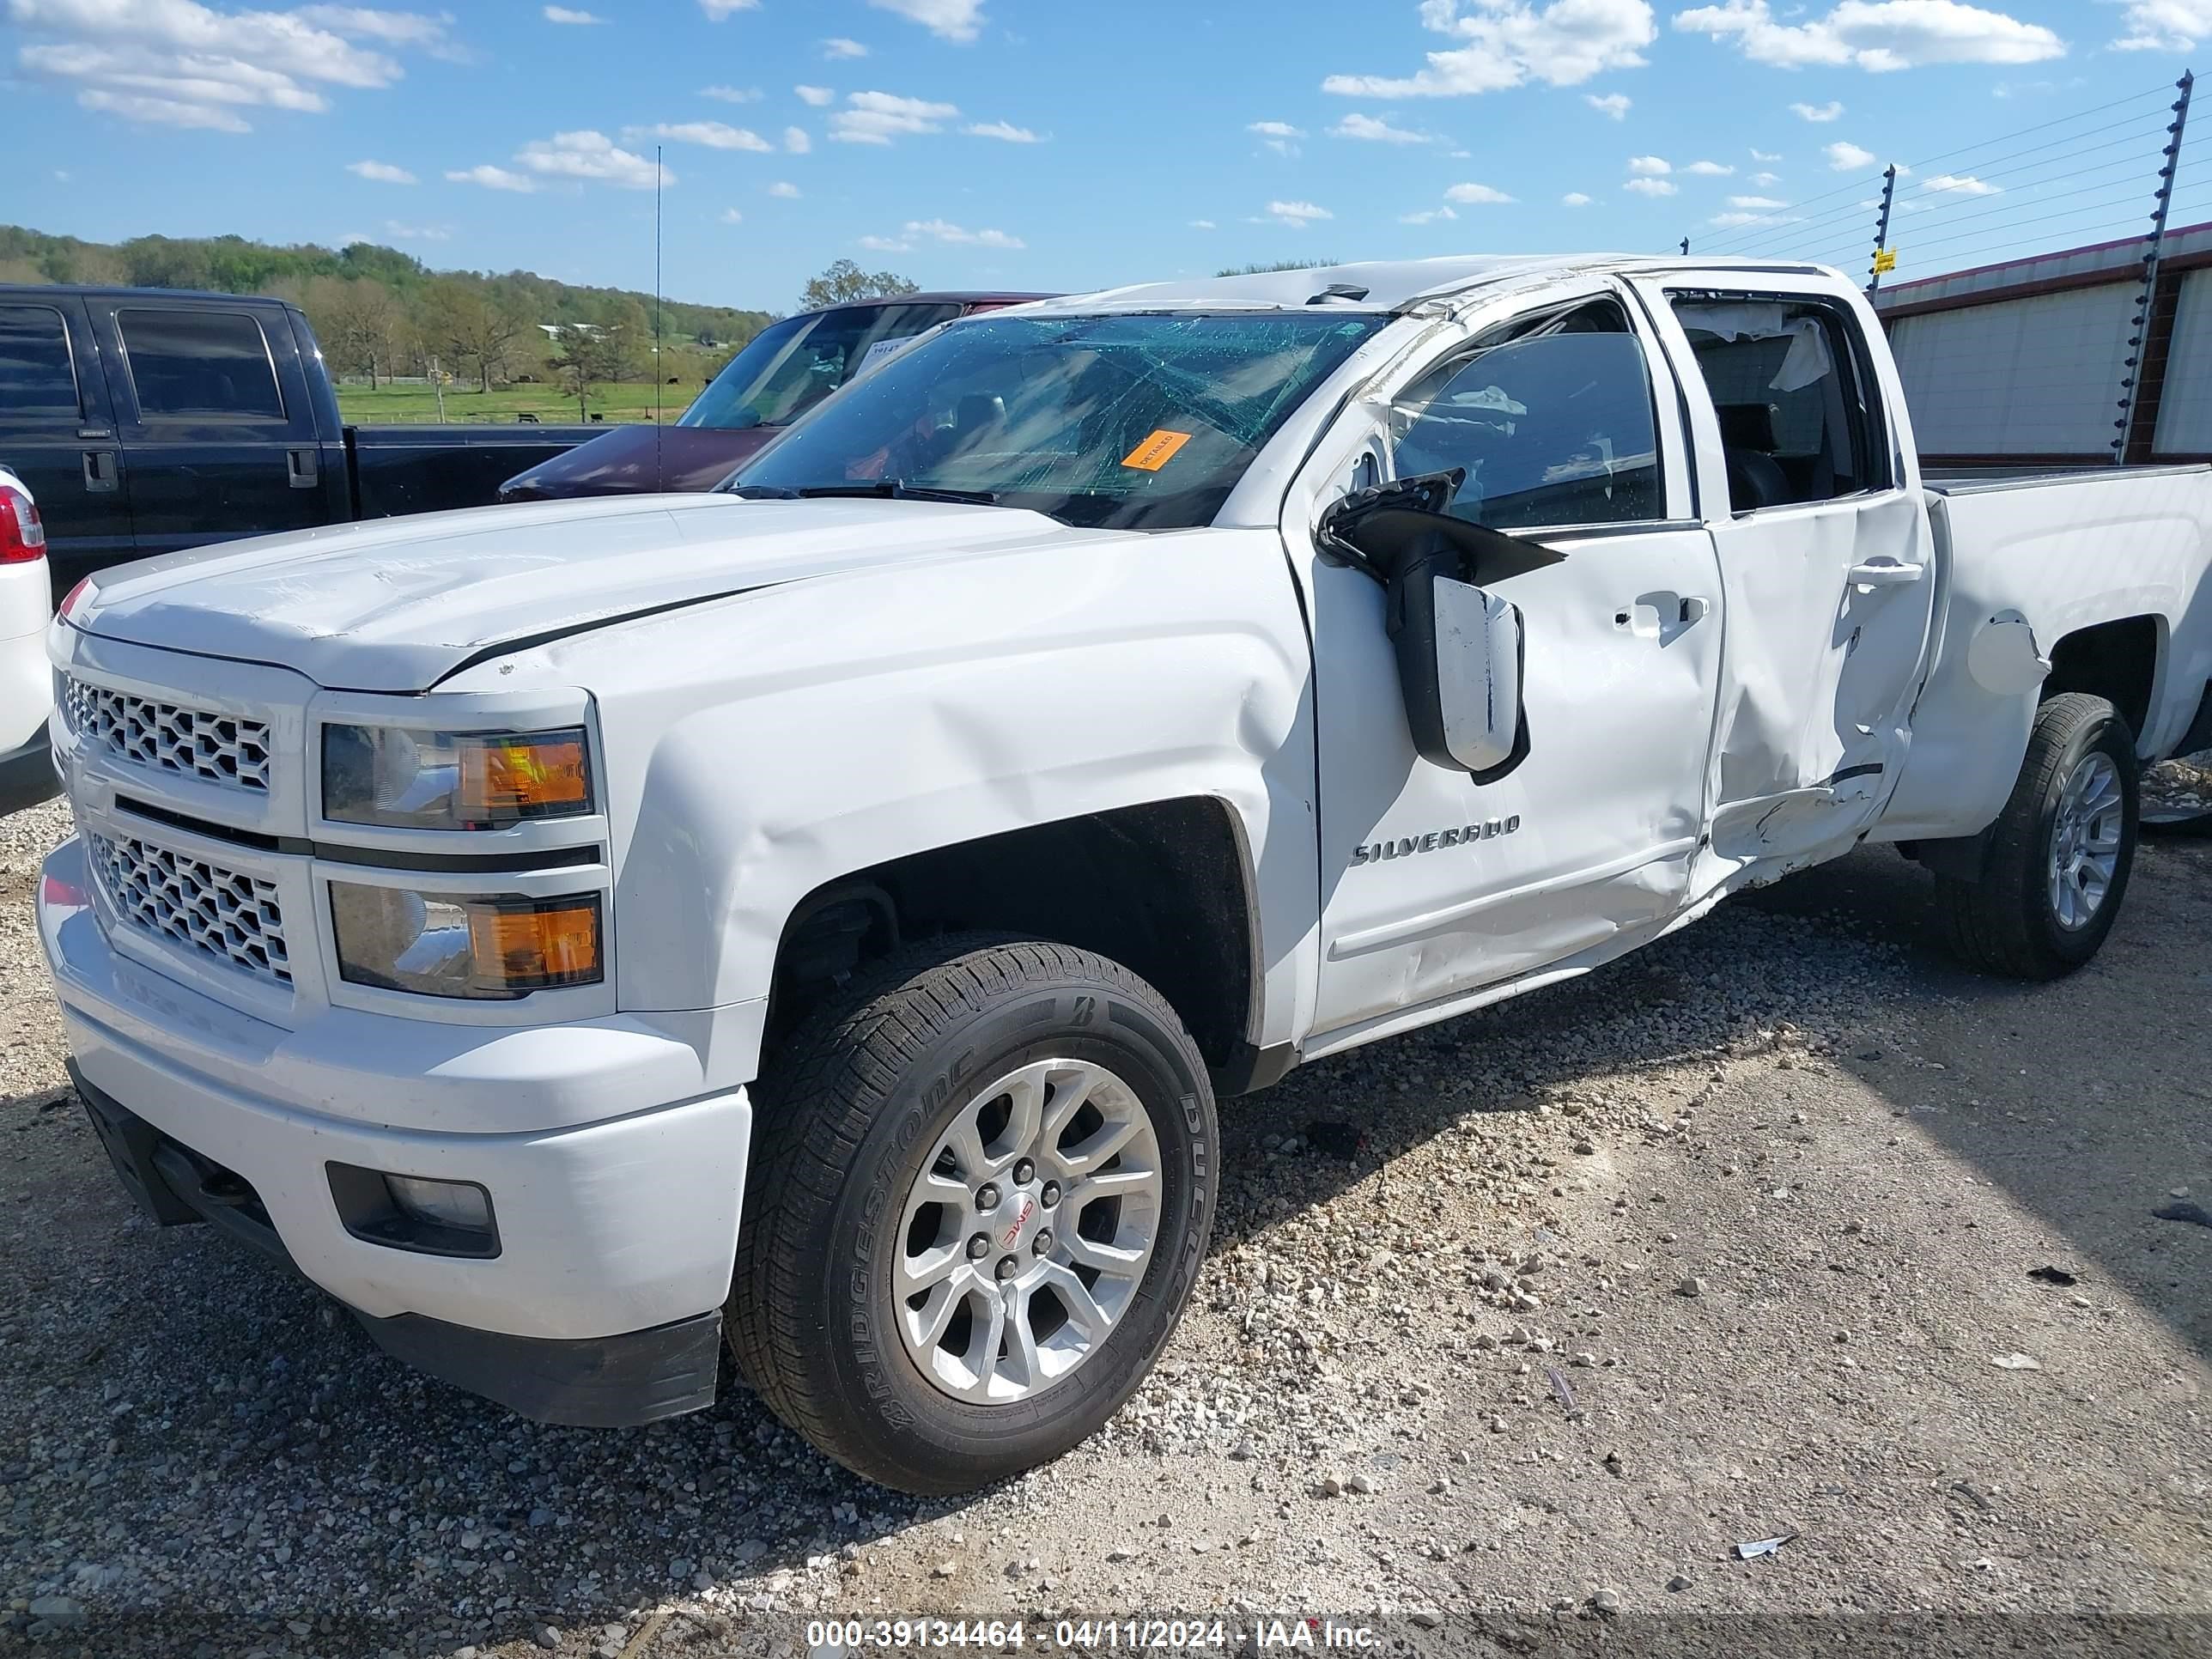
[(378, 310)]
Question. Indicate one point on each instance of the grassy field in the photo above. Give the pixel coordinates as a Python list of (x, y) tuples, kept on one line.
[(628, 400)]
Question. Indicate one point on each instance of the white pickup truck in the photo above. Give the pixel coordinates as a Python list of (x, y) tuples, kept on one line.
[(823, 913)]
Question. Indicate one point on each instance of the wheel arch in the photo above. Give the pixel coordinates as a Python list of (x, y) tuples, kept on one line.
[(2119, 660), (1166, 888)]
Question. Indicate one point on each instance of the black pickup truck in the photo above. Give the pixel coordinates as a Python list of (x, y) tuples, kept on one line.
[(148, 420)]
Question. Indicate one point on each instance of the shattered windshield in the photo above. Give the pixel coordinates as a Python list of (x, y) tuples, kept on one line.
[(1119, 422)]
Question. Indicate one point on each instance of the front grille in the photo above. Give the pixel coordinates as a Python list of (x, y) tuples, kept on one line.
[(169, 737), (220, 913)]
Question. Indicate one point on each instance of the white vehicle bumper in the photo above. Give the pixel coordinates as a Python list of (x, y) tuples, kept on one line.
[(615, 1238)]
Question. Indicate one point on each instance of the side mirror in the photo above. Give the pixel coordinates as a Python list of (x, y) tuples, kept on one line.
[(1459, 654), (1459, 646)]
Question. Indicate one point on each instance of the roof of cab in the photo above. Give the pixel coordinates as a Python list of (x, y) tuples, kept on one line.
[(1393, 285)]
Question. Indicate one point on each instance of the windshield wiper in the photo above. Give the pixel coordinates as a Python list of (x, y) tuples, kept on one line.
[(763, 492), (898, 489)]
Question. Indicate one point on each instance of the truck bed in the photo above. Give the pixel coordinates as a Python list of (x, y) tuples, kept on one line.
[(1962, 481), (425, 469)]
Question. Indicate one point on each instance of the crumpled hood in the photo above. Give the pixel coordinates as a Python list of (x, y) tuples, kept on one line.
[(398, 604)]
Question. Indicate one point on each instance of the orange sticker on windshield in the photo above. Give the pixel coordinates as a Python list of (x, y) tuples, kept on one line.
[(1157, 451)]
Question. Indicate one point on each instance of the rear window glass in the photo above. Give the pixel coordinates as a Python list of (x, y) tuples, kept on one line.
[(209, 365), (36, 376)]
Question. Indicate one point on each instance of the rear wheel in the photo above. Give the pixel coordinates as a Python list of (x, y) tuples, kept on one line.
[(2060, 853), (982, 1186)]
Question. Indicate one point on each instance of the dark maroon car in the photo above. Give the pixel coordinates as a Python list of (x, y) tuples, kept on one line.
[(784, 371)]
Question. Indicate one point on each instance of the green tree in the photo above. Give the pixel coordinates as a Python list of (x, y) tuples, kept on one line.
[(845, 281), (471, 328), (358, 322), (585, 355)]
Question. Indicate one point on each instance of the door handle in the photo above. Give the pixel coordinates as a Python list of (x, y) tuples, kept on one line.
[(100, 474), (1695, 609), (303, 468), (1886, 573)]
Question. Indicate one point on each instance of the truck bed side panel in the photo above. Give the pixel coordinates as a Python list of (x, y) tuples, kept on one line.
[(430, 468), (2060, 554)]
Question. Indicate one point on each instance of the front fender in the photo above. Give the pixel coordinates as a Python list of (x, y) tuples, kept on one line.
[(759, 748)]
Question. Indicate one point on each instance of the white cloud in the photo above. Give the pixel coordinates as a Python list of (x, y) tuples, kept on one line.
[(382, 172), (1876, 35), (1203, 224), (1004, 131), (1297, 215), (1962, 185), (715, 134), (161, 112), (2165, 26), (416, 233), (492, 178), (796, 141), (717, 10), (819, 97), (1477, 196), (585, 155), (1756, 204), (1761, 156), (840, 47), (177, 63), (1652, 186), (954, 20), (1426, 217), (1506, 42), (942, 231), (1574, 198), (731, 94), (731, 216), (1819, 114), (566, 14), (1650, 167), (1614, 105), (886, 244), (1848, 157), (785, 189), (1280, 137), (1374, 131), (877, 117), (1738, 219), (1710, 170)]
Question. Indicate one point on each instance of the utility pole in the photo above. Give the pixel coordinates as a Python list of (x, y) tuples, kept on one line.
[(1882, 263), (2147, 300)]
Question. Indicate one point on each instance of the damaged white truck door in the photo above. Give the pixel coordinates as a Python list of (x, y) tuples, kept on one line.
[(1827, 558), (1434, 883)]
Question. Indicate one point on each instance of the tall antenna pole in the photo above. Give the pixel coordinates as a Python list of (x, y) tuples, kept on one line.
[(658, 377), (1882, 225), (2153, 249)]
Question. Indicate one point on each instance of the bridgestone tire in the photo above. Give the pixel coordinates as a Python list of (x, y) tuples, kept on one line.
[(847, 1112), (2005, 923)]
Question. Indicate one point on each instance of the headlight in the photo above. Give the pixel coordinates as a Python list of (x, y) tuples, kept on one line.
[(454, 779), (443, 945)]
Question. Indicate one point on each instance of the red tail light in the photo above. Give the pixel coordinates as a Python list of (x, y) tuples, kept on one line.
[(22, 536)]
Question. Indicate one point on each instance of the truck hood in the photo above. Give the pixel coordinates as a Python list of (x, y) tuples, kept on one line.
[(400, 603), (631, 459)]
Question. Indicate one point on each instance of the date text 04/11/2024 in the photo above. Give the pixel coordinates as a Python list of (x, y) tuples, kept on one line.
[(1135, 1635)]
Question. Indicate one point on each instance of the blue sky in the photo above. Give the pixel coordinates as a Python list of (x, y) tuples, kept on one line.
[(1074, 143)]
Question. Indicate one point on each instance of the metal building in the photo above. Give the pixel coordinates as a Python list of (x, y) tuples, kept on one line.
[(2025, 362)]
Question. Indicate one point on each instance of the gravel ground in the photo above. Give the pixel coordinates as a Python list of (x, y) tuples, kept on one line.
[(1734, 1240)]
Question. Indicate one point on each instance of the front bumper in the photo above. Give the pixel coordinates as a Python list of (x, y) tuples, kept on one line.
[(616, 1236), (600, 1382)]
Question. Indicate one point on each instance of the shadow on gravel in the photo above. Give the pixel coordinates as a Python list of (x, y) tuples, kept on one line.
[(2110, 1091)]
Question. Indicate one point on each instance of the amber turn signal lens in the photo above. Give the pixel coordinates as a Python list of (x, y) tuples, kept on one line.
[(533, 947), (506, 778)]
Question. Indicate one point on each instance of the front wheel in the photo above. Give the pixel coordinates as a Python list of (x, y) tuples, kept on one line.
[(2060, 853), (982, 1184)]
